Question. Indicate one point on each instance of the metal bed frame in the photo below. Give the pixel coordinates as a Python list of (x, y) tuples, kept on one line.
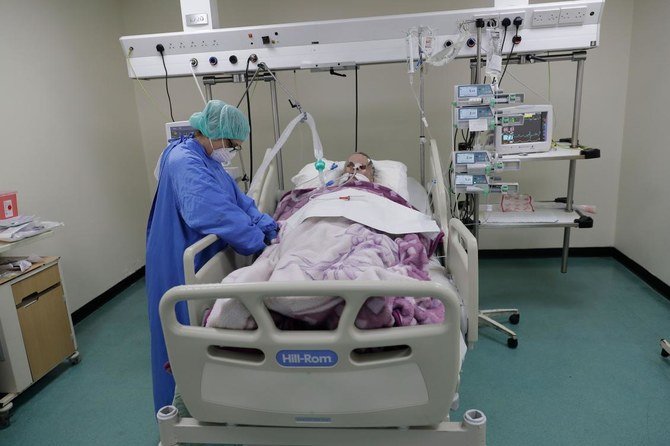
[(272, 405)]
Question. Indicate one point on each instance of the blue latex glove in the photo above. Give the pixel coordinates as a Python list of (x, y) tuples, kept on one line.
[(267, 224), (269, 227), (270, 236)]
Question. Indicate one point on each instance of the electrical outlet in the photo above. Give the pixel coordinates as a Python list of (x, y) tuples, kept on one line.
[(491, 20), (513, 15), (548, 17), (574, 15)]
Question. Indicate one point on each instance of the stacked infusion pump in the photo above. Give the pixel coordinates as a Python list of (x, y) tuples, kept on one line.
[(503, 130)]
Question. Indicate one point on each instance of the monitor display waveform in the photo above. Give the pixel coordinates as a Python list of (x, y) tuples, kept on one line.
[(533, 129)]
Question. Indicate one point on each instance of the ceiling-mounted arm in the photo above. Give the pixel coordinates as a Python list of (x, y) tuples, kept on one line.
[(544, 27)]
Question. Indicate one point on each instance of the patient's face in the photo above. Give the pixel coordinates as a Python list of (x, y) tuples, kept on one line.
[(359, 163)]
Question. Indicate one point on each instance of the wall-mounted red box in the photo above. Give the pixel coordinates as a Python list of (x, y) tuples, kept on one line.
[(9, 208)]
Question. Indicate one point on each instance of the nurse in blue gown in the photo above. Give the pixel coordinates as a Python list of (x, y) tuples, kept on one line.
[(196, 197)]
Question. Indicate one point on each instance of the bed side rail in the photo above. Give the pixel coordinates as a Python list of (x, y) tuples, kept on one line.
[(216, 268), (190, 276), (267, 200), (431, 361), (463, 264), (437, 188)]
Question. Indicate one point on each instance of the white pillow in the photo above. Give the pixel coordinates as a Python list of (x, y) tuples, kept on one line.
[(392, 174), (308, 177)]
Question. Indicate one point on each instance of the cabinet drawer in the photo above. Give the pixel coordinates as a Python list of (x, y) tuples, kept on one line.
[(46, 330), (35, 284)]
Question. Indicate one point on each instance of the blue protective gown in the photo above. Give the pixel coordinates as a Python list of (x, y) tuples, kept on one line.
[(195, 197)]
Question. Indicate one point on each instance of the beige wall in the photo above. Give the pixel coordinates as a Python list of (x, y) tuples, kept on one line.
[(644, 204), (71, 144), (388, 114)]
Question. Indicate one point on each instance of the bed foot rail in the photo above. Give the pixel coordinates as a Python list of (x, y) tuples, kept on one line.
[(175, 430)]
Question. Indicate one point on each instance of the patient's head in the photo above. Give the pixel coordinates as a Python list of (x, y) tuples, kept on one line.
[(360, 163)]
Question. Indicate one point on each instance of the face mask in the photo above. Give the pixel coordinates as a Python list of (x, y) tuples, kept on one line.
[(224, 155)]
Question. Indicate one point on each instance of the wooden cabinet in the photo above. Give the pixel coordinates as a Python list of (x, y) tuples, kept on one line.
[(36, 332), (45, 326)]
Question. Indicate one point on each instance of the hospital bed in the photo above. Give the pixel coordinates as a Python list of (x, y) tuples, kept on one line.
[(388, 386)]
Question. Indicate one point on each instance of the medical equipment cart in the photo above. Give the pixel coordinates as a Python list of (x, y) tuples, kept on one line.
[(36, 331), (566, 216)]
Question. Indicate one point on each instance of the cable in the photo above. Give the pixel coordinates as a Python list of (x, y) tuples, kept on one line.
[(530, 89), (503, 41), (197, 84), (506, 64), (139, 81), (549, 87), (515, 40), (251, 141), (167, 89), (246, 91), (356, 125)]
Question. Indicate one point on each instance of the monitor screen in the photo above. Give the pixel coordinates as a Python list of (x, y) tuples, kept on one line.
[(471, 158), (473, 91), (177, 131), (533, 130)]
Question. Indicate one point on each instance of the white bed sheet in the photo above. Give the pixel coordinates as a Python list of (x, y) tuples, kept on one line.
[(418, 197)]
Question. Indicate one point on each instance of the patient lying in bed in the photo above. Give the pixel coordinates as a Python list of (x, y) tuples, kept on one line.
[(358, 230)]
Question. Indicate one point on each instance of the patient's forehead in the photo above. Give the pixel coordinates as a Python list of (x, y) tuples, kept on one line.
[(358, 158)]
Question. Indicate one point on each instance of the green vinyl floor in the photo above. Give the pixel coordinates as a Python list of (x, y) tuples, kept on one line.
[(588, 369)]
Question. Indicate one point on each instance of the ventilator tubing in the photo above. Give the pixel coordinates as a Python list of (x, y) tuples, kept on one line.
[(316, 142), (449, 53)]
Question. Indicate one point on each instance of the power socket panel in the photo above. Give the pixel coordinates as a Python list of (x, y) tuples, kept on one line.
[(545, 18), (574, 15)]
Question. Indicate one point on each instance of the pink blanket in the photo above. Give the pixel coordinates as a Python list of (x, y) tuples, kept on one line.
[(335, 249)]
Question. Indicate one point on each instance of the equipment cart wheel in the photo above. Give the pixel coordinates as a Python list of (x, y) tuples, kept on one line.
[(514, 318), (4, 415), (75, 358), (512, 342)]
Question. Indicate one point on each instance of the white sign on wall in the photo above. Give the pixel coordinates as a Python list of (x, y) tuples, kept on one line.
[(503, 3)]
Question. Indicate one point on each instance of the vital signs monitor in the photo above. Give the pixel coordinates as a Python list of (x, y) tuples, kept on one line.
[(524, 129)]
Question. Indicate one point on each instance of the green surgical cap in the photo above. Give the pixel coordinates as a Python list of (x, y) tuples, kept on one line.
[(221, 121)]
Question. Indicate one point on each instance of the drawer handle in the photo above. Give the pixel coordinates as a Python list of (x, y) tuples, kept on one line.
[(25, 303)]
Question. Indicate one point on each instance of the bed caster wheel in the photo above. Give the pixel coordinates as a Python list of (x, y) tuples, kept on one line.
[(75, 358), (514, 318), (664, 353), (512, 342), (4, 416)]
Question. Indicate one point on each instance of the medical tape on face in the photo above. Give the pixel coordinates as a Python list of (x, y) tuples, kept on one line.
[(316, 142)]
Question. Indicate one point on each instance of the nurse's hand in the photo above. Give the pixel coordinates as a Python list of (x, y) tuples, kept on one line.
[(268, 226), (271, 238), (266, 223)]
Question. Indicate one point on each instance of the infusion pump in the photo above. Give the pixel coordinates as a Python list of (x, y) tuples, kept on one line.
[(473, 172)]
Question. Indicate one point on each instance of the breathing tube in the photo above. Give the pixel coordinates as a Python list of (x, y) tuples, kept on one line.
[(319, 164)]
